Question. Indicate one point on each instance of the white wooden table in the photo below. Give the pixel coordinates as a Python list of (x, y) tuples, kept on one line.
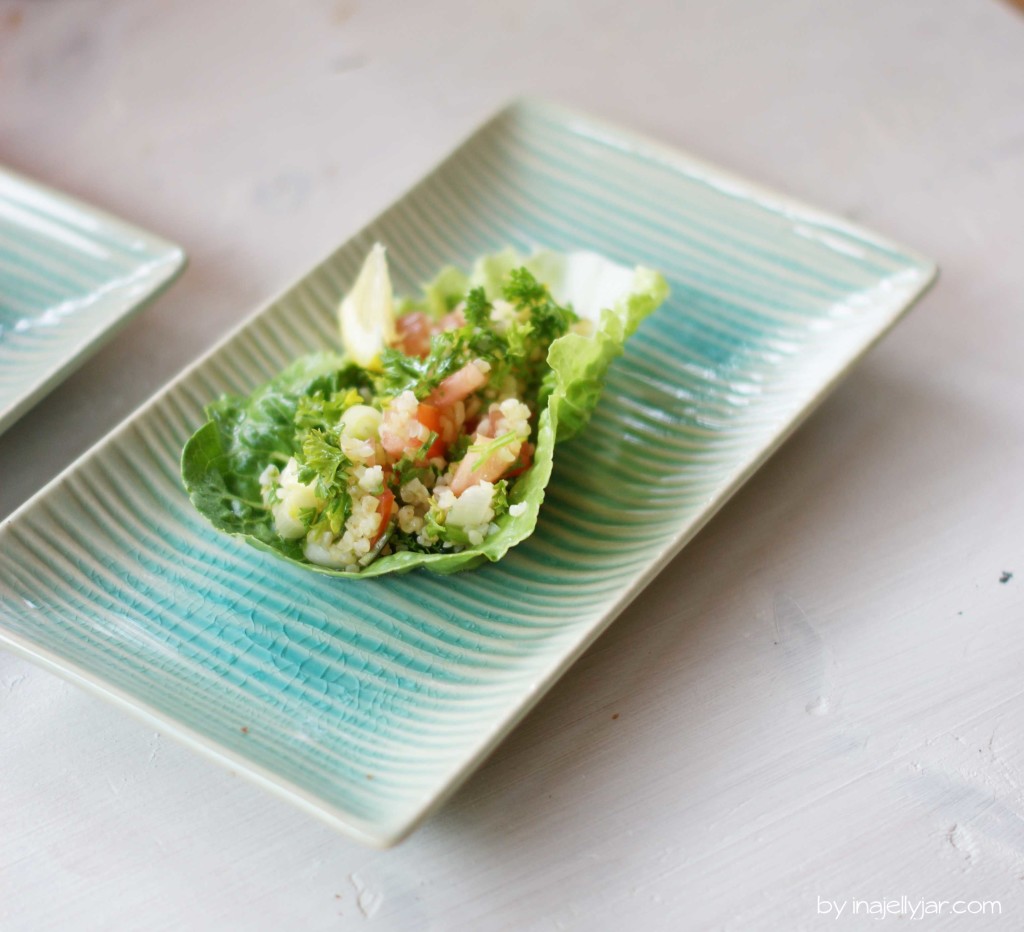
[(820, 700)]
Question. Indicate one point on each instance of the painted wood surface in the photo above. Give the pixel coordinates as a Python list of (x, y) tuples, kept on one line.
[(819, 700)]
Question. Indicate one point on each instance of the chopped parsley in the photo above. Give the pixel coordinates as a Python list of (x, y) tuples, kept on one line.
[(449, 352), (523, 290), (478, 308)]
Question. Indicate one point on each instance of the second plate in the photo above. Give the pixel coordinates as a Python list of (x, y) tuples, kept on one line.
[(70, 275)]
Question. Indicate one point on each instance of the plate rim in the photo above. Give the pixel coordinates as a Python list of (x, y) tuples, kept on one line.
[(378, 834)]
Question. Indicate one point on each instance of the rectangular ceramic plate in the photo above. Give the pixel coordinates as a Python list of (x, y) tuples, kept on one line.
[(367, 702), (69, 276)]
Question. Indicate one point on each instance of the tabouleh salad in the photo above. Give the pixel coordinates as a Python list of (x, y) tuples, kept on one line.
[(429, 441)]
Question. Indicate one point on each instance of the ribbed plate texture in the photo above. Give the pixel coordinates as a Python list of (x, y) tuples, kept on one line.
[(68, 275), (366, 701)]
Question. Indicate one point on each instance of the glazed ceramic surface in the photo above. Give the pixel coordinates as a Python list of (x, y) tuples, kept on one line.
[(69, 276), (367, 702)]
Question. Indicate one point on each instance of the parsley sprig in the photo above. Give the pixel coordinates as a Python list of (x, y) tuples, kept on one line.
[(322, 460)]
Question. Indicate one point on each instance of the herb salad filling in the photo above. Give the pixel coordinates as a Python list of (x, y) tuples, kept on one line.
[(418, 456)]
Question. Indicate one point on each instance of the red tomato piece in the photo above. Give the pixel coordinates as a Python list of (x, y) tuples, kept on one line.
[(430, 418), (387, 505)]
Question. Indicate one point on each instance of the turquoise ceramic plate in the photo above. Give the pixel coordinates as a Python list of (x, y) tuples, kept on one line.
[(367, 702), (69, 276)]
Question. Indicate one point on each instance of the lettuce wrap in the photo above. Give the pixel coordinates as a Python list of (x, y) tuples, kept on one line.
[(434, 447)]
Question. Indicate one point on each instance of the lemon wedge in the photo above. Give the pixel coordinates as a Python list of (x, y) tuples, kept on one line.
[(367, 313)]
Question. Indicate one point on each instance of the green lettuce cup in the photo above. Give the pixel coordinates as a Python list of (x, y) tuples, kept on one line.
[(297, 467)]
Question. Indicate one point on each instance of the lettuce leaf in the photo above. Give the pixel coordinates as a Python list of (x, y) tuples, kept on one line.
[(221, 463)]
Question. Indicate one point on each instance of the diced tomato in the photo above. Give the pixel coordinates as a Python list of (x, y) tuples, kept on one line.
[(414, 333), (452, 320), (387, 505), (430, 418), (472, 469), (523, 462), (459, 385)]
